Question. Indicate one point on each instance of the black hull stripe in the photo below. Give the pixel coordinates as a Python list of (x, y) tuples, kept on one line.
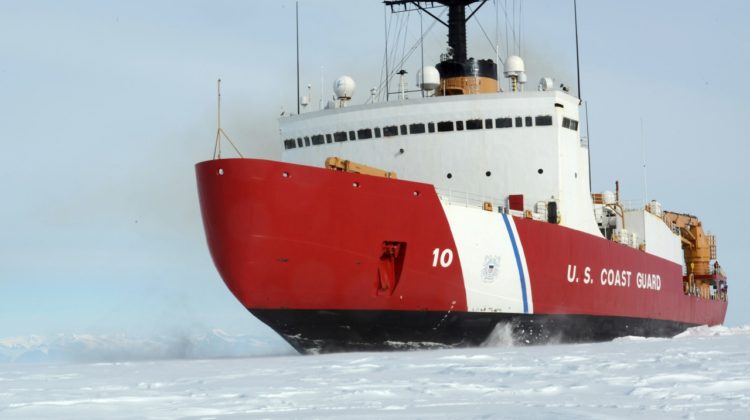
[(323, 331)]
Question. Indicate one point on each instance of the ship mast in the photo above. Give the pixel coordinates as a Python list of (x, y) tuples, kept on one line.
[(459, 74), (456, 21)]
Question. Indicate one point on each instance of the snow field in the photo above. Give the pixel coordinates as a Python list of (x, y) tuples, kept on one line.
[(702, 374)]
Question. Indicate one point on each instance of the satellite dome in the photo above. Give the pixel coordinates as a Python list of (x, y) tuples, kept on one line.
[(609, 197), (430, 78), (344, 87), (514, 66), (546, 83)]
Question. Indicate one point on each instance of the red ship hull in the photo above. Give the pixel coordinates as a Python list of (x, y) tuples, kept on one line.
[(340, 261)]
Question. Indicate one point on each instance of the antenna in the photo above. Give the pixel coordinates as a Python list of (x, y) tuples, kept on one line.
[(520, 21), (402, 83), (507, 38), (305, 100), (578, 64), (645, 178), (219, 130), (387, 75), (513, 28), (588, 139), (421, 45), (217, 144), (322, 83), (497, 44), (297, 26)]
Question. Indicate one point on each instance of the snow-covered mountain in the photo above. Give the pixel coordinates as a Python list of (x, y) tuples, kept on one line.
[(120, 347)]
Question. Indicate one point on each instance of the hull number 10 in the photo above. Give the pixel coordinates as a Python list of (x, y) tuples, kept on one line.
[(445, 258)]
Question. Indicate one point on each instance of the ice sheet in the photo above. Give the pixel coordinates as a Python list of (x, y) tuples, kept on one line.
[(704, 373)]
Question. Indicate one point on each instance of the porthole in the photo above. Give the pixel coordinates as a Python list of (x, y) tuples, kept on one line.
[(488, 173), (540, 171), (450, 175)]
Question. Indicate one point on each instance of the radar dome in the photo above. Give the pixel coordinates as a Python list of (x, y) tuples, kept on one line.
[(608, 197), (546, 83), (343, 87), (514, 66), (430, 78)]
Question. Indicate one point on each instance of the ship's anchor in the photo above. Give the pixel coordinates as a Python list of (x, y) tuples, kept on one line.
[(389, 268)]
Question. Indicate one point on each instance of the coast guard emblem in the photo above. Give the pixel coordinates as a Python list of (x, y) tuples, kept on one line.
[(491, 268)]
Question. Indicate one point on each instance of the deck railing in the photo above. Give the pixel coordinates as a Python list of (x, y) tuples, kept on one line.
[(469, 200)]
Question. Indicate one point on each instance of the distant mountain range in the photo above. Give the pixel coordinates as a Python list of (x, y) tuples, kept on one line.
[(86, 348)]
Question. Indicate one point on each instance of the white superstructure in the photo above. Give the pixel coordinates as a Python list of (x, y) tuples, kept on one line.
[(514, 152), (490, 146)]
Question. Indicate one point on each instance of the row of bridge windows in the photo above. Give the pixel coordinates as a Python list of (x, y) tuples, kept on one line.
[(421, 128)]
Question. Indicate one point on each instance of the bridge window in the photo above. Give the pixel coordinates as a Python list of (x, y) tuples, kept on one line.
[(299, 141), (403, 129), (329, 138), (352, 135), (488, 123), (459, 125), (519, 122), (574, 125), (566, 122), (431, 127), (503, 122), (339, 136), (377, 132), (307, 141), (318, 139), (543, 120), (474, 124), (417, 128), (289, 144), (529, 122), (445, 126), (390, 131), (364, 133)]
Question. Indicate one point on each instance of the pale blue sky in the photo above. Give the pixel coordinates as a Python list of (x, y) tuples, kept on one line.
[(106, 106)]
